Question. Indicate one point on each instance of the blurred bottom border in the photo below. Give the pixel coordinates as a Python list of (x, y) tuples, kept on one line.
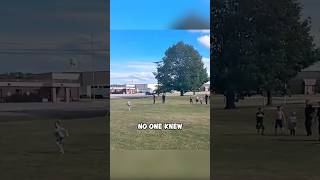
[(160, 165)]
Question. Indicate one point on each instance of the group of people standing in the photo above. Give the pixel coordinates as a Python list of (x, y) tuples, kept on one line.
[(282, 122), (163, 97), (200, 99)]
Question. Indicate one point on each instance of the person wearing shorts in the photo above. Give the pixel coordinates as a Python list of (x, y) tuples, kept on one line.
[(279, 121), (259, 120), (129, 105), (60, 133)]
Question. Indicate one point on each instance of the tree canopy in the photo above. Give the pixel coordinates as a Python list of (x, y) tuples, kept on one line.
[(265, 43), (181, 69)]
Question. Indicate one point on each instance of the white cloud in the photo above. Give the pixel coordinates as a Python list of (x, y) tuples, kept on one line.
[(132, 77), (133, 72), (205, 41), (202, 31), (139, 72), (206, 62), (141, 65)]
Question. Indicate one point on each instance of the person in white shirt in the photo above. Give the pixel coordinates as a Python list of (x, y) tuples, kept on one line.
[(129, 105), (280, 120), (60, 134)]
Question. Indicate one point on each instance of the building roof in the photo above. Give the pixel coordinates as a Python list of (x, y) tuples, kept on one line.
[(313, 68)]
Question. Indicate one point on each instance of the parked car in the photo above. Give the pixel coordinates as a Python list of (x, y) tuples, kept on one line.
[(148, 93)]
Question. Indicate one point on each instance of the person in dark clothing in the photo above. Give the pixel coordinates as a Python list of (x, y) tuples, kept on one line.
[(154, 98), (318, 117), (259, 119), (280, 121), (191, 100), (308, 112), (206, 98), (163, 98)]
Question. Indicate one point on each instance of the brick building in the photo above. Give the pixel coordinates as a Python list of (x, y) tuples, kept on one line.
[(307, 81), (52, 87)]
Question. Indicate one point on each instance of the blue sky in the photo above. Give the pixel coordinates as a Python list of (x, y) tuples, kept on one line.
[(133, 52), (155, 14)]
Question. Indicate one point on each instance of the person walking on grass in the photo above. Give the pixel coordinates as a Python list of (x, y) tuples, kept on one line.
[(129, 105), (292, 124), (163, 98), (206, 97), (60, 133), (259, 121), (308, 112), (154, 98), (280, 121), (197, 99), (191, 100), (318, 118)]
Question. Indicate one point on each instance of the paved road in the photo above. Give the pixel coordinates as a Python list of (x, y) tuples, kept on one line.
[(129, 96), (97, 105), (56, 110)]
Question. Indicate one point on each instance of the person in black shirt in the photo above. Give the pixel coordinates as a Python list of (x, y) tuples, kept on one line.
[(206, 98), (163, 98), (308, 112), (259, 120), (318, 117), (154, 98)]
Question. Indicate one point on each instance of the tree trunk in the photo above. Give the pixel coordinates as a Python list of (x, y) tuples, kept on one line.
[(230, 100), (181, 93), (269, 98), (194, 93)]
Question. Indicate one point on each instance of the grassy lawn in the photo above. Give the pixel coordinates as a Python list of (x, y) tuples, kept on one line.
[(28, 150), (240, 153), (125, 135)]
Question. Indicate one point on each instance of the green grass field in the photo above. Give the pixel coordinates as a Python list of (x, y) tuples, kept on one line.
[(28, 150), (125, 135), (240, 153)]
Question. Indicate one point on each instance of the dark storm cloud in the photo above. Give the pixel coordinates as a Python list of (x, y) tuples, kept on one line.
[(42, 36)]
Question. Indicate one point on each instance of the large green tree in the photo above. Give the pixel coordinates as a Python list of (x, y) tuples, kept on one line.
[(181, 69), (265, 43)]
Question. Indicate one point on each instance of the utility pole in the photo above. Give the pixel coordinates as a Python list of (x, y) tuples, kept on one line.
[(93, 69)]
